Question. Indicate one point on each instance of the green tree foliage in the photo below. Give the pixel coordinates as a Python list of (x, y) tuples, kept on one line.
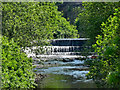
[(16, 67), (22, 24), (70, 10), (106, 69), (28, 21), (94, 13)]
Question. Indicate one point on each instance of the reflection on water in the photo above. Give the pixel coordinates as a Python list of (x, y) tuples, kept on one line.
[(71, 74), (62, 81)]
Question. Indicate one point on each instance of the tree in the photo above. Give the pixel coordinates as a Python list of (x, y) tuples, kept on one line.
[(94, 13), (70, 10), (106, 68), (34, 21)]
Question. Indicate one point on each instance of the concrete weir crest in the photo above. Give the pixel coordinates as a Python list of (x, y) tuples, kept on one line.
[(61, 48)]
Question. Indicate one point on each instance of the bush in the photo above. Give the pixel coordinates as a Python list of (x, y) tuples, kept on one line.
[(16, 66), (27, 22), (107, 71)]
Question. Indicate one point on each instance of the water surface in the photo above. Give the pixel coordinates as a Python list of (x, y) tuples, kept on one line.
[(70, 74)]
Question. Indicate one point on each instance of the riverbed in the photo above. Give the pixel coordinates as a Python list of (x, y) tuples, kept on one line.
[(66, 73)]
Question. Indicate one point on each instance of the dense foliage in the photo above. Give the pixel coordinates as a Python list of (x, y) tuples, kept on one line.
[(70, 10), (93, 14), (28, 21), (105, 70), (16, 67), (24, 24)]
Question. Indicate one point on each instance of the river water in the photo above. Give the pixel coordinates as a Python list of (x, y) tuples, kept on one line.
[(64, 73), (63, 69)]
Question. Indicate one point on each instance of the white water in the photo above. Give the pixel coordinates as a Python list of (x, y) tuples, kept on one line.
[(55, 66)]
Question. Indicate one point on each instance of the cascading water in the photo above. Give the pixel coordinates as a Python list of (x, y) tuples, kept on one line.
[(63, 66), (62, 50)]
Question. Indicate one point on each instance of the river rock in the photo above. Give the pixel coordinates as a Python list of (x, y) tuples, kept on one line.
[(67, 60), (77, 58), (80, 69), (39, 77)]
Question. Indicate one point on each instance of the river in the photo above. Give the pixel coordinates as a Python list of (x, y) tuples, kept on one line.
[(64, 68), (64, 73)]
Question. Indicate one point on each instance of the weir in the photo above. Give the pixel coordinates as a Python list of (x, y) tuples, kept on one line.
[(60, 48), (63, 64), (66, 46)]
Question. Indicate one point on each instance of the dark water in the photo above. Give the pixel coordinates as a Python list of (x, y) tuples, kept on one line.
[(70, 74)]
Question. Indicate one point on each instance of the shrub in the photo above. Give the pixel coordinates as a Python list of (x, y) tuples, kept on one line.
[(107, 71), (16, 66)]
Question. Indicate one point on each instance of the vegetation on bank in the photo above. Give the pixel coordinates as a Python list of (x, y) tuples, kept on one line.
[(22, 24), (93, 14), (16, 66), (105, 70), (100, 21), (28, 21)]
